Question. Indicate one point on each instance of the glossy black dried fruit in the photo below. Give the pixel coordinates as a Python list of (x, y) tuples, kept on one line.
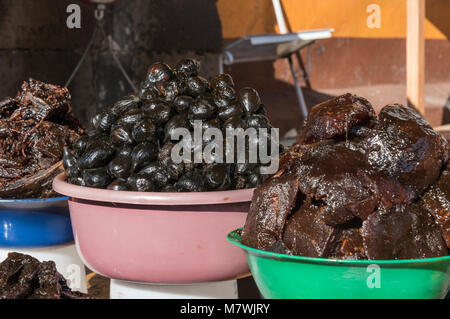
[(164, 154), (118, 185), (120, 167), (143, 154), (121, 135), (96, 177), (80, 145), (221, 102), (96, 156), (103, 121), (226, 92), (157, 110), (249, 99), (254, 180), (144, 131), (69, 160), (213, 123), (231, 110), (131, 117), (202, 109), (197, 85), (150, 168), (176, 122), (187, 68), (217, 177), (182, 103), (160, 177), (149, 93), (234, 123), (258, 121), (76, 180), (191, 182), (73, 171), (175, 170), (140, 137), (169, 189), (141, 183), (125, 104), (125, 150), (223, 80), (168, 90), (158, 72)]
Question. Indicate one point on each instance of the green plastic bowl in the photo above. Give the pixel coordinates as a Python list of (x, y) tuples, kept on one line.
[(290, 277)]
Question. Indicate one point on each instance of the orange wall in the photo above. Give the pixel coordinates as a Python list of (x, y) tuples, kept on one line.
[(347, 17)]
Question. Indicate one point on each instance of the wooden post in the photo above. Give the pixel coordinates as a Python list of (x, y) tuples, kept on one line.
[(415, 54)]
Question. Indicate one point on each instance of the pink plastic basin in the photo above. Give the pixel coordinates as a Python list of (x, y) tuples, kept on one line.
[(157, 237)]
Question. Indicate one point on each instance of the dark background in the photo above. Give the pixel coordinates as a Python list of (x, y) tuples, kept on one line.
[(35, 42)]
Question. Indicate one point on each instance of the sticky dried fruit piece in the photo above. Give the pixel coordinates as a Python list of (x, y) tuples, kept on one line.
[(405, 232), (271, 204), (337, 116), (437, 201), (306, 234)]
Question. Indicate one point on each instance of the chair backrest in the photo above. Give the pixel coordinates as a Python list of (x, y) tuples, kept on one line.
[(279, 15)]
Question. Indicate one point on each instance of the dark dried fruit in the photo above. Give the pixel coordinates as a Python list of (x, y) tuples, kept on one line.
[(176, 122), (234, 123), (120, 167), (249, 99), (146, 120), (141, 183), (202, 109), (96, 156), (158, 72), (130, 117), (144, 131), (231, 110), (258, 121), (69, 160), (197, 85), (80, 145), (125, 104), (96, 177), (217, 177), (24, 277), (187, 68), (121, 135), (190, 182), (103, 121), (353, 188), (157, 110), (118, 185), (168, 90), (182, 103), (143, 154), (222, 81)]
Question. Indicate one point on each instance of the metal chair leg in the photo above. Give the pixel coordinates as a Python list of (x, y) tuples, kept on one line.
[(298, 90), (220, 63), (304, 70)]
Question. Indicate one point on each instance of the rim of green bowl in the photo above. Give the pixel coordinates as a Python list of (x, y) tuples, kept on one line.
[(235, 238)]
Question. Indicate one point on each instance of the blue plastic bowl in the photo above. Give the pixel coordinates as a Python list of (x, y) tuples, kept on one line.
[(34, 222)]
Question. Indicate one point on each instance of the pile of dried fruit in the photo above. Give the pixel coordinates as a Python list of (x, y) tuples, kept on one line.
[(22, 276), (130, 145), (34, 128), (357, 186)]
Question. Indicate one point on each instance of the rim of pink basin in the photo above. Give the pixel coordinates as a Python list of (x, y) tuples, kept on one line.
[(150, 198)]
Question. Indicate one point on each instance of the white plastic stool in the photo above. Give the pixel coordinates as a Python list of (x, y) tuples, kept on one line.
[(130, 290), (66, 258)]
